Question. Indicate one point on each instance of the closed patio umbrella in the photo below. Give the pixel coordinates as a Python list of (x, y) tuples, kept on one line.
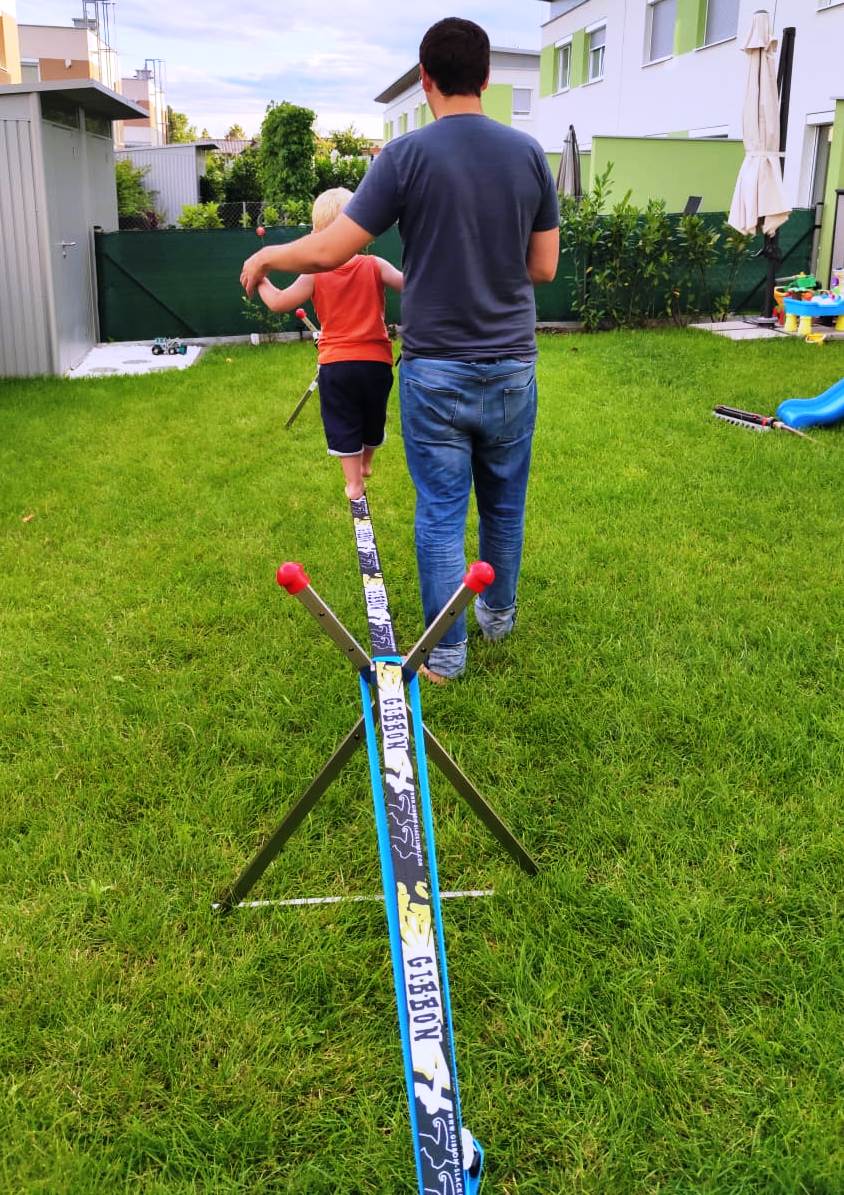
[(568, 174), (759, 195)]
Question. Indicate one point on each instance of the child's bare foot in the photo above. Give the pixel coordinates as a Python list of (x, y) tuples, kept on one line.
[(366, 470), (435, 678), (354, 491)]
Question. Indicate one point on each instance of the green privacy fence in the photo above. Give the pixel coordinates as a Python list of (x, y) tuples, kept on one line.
[(172, 282)]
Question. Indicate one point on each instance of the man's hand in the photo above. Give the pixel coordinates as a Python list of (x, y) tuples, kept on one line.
[(311, 254), (254, 271)]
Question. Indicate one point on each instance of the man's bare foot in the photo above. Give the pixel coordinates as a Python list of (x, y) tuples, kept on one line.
[(353, 492), (434, 677)]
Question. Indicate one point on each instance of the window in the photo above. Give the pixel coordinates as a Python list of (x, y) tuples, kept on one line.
[(57, 110), (562, 82), (521, 101), (402, 124), (597, 43), (721, 20), (661, 20), (99, 126), (820, 167)]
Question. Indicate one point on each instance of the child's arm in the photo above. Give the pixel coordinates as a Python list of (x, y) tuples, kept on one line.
[(291, 297), (390, 276)]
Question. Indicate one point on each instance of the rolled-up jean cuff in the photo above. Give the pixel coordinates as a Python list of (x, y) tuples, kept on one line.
[(448, 659), (494, 624)]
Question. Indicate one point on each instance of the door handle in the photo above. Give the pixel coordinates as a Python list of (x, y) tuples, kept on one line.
[(65, 245)]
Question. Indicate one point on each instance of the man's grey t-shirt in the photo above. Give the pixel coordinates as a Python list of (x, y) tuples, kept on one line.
[(467, 193)]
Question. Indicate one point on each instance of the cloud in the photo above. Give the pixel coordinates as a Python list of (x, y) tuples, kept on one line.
[(226, 62)]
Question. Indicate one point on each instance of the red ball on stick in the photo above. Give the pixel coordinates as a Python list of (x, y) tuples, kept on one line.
[(260, 230)]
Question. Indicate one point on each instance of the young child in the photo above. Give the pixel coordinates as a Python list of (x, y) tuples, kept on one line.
[(355, 354)]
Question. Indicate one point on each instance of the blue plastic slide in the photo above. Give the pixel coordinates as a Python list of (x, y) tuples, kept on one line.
[(814, 412)]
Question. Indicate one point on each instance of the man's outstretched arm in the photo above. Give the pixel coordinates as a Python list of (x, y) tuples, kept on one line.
[(312, 254)]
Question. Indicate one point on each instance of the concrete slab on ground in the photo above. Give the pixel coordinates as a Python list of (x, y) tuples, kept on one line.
[(740, 330), (131, 357)]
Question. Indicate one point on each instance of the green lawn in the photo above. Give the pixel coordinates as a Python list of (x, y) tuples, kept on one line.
[(661, 1010)]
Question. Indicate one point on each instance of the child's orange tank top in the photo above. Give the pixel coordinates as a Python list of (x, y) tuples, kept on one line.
[(349, 302)]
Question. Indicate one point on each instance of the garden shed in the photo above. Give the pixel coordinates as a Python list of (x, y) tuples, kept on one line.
[(56, 186)]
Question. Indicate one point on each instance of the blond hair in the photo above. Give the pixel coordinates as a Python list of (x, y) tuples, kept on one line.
[(328, 206)]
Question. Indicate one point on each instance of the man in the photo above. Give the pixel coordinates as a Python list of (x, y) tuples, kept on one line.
[(479, 222)]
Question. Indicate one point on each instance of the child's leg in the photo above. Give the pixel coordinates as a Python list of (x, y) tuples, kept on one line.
[(343, 421), (379, 381), (353, 472)]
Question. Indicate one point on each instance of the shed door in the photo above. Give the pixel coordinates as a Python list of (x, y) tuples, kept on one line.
[(70, 243)]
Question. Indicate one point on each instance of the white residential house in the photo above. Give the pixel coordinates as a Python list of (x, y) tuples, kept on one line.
[(673, 69), (511, 98)]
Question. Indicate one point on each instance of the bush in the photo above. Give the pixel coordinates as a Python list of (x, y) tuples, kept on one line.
[(242, 184), (632, 264), (296, 211), (212, 184), (338, 172), (200, 215), (132, 198), (255, 312)]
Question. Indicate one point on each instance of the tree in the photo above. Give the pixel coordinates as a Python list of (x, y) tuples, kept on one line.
[(178, 129), (349, 143), (286, 154), (242, 182), (236, 133), (205, 135)]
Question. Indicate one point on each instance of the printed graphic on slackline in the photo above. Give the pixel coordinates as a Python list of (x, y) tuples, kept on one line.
[(426, 1025)]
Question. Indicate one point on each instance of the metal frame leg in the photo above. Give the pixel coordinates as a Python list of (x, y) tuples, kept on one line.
[(292, 820), (295, 580), (300, 404), (464, 788)]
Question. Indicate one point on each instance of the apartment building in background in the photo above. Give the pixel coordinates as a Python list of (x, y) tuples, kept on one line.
[(81, 50), (146, 88), (642, 71), (10, 55), (511, 98), (85, 49)]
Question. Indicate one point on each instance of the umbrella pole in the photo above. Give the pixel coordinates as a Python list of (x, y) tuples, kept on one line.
[(771, 249)]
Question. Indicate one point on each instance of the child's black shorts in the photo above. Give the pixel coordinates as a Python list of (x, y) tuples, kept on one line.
[(353, 401)]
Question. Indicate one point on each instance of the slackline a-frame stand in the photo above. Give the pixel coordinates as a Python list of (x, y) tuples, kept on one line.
[(448, 1159)]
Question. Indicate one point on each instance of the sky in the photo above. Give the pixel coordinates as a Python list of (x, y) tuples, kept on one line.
[(225, 61)]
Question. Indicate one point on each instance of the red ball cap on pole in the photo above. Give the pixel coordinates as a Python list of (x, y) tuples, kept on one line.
[(260, 230), (480, 575), (292, 577)]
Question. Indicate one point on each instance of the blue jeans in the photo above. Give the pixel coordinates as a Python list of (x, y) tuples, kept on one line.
[(465, 423)]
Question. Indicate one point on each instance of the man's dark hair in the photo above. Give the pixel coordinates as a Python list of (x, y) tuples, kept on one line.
[(455, 53)]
